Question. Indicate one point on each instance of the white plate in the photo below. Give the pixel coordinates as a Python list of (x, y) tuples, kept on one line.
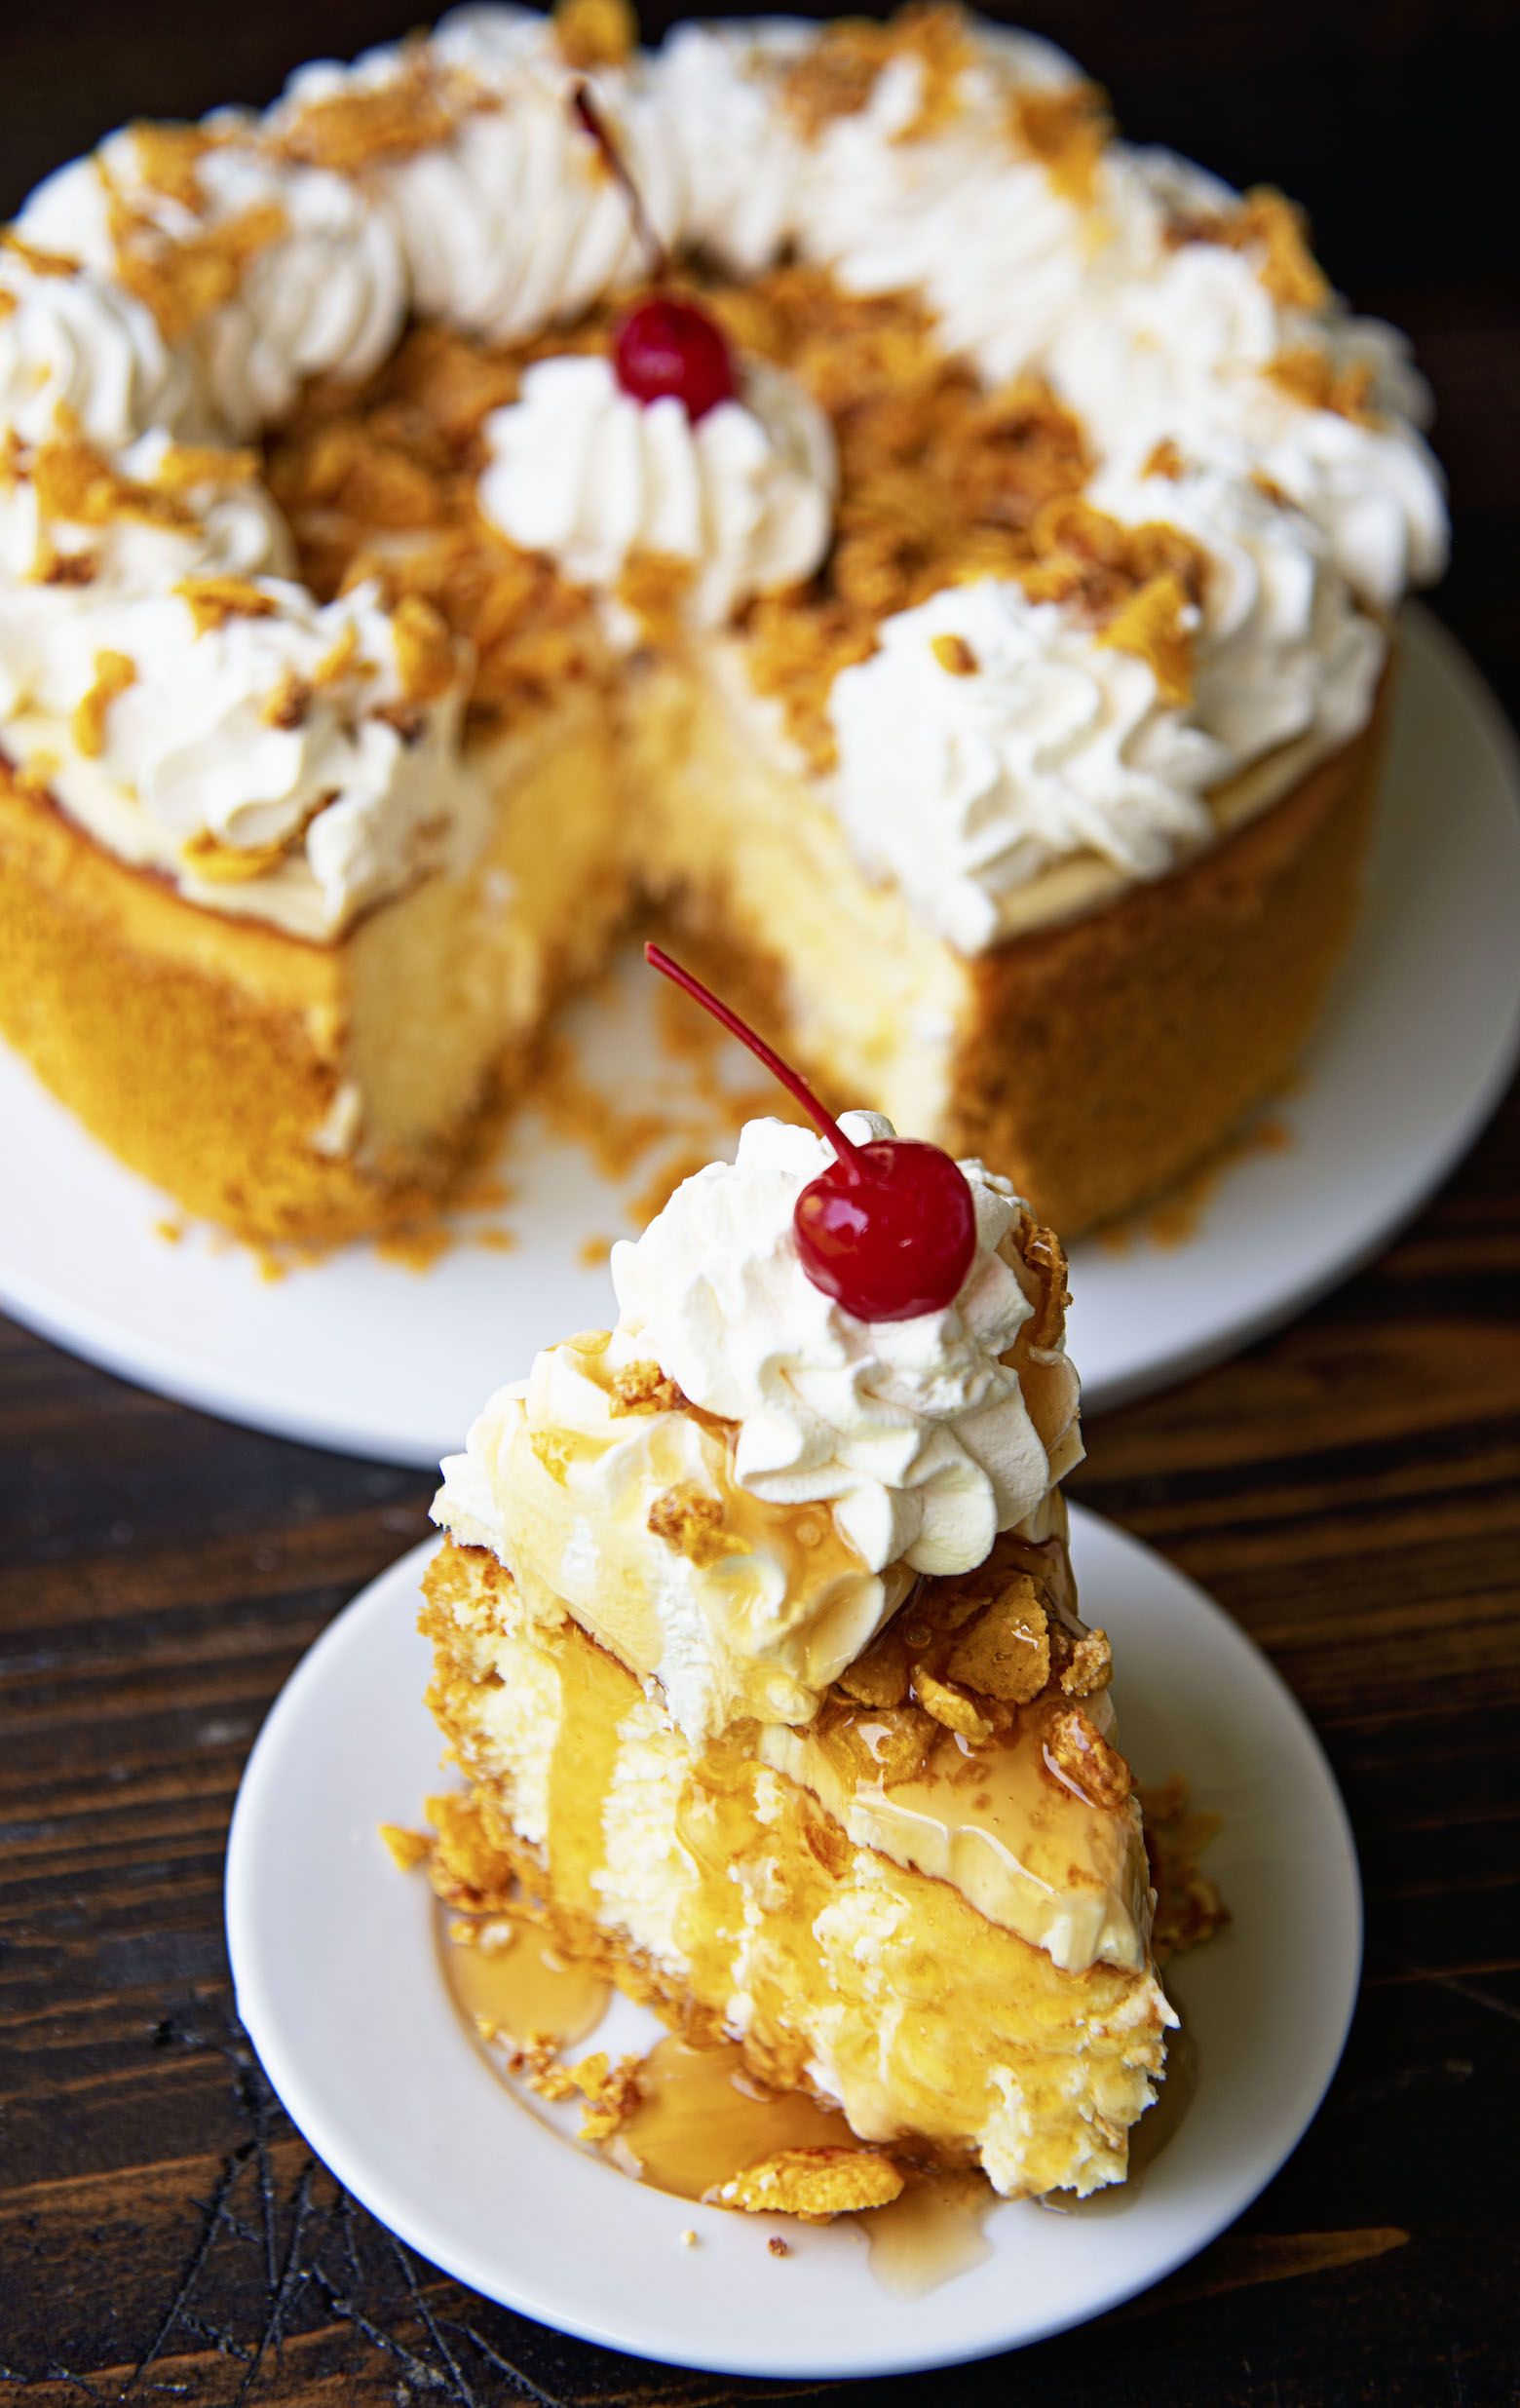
[(340, 1989), (360, 1353)]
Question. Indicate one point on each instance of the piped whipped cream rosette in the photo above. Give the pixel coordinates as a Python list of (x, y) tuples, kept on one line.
[(165, 675), (741, 502), (840, 1458)]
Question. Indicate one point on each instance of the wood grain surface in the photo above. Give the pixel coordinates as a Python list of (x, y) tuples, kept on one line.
[(1349, 1489)]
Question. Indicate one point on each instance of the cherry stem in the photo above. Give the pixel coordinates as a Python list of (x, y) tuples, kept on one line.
[(848, 1153), (591, 118)]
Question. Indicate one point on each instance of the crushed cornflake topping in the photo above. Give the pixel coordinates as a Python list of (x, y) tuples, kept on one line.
[(421, 106), (342, 661), (1164, 460), (1264, 220), (181, 283), (1311, 378), (207, 857), (467, 1869), (814, 2184), (425, 657), (1042, 1253), (114, 672), (1091, 1666), (1156, 625), (184, 466), (692, 1525), (611, 2092), (289, 704), (955, 656), (408, 1849), (595, 33), (213, 601), (653, 587), (555, 1451), (1189, 1908), (836, 76), (40, 262), (1075, 1749), (1067, 131), (643, 1388), (1006, 1653), (401, 455), (950, 1706), (168, 160), (777, 2247), (74, 481)]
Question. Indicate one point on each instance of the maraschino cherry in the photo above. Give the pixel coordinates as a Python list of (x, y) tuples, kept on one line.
[(888, 1229), (664, 347)]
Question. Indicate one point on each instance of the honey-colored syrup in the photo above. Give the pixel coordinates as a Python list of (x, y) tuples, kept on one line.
[(702, 2118), (935, 2230), (521, 1991)]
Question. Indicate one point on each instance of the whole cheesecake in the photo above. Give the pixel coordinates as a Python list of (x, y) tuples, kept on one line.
[(813, 482)]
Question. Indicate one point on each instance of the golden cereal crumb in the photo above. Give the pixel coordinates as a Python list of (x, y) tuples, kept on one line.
[(814, 2184), (1164, 460), (425, 658), (689, 2239), (73, 481), (114, 672), (498, 1240), (462, 1932), (593, 1252), (184, 466), (1264, 220), (955, 656), (1005, 1652), (652, 588), (182, 281), (466, 1867), (595, 33), (643, 1388), (174, 1232), (40, 262), (419, 107), (553, 1451), (1311, 377), (223, 864), (950, 1706), (36, 773), (1189, 1908), (213, 601), (837, 74), (777, 2247), (289, 704), (692, 1525), (408, 1849), (1079, 1753), (1154, 624), (1091, 1668), (416, 1248), (611, 2092), (1068, 130)]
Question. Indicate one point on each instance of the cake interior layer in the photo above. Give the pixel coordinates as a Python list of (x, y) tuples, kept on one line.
[(1093, 1061), (291, 1089), (725, 1893), (296, 1090)]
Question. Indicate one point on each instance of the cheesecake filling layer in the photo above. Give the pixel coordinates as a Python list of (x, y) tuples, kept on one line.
[(720, 1889)]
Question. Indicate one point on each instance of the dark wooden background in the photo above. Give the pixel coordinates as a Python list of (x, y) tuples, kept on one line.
[(1350, 1490)]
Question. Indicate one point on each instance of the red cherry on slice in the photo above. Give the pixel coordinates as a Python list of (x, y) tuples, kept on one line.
[(671, 347), (889, 1230)]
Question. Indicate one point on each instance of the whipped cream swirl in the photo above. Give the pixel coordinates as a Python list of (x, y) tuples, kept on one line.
[(916, 1432), (319, 284), (582, 470), (990, 738), (76, 350), (201, 713)]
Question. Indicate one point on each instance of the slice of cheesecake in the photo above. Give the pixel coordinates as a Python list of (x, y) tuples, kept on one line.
[(756, 1642)]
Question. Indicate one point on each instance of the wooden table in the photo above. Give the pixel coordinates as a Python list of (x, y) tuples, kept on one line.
[(1350, 1490)]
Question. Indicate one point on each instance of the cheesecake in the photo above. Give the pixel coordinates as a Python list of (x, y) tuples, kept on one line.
[(757, 1646), (812, 484)]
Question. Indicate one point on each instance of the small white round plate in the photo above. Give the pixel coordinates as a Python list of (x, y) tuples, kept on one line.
[(340, 1988), (360, 1353)]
